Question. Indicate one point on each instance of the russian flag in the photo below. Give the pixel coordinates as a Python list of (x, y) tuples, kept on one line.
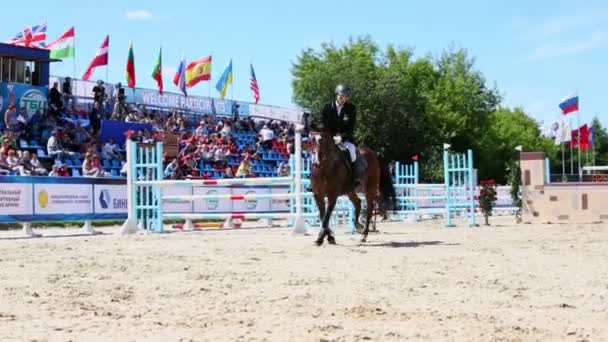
[(569, 104)]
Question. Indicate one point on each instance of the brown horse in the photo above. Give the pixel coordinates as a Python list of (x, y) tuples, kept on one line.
[(331, 177)]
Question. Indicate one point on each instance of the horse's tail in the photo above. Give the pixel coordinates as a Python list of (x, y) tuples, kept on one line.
[(388, 196)]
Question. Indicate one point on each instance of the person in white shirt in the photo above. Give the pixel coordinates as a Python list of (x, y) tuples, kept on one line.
[(37, 165), (52, 146), (110, 150), (267, 136)]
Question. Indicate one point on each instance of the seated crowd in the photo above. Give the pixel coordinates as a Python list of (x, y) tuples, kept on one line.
[(67, 142)]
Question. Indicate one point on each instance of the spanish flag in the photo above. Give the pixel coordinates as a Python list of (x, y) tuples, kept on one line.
[(197, 71)]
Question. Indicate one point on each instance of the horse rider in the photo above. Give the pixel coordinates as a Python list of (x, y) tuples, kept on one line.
[(340, 117)]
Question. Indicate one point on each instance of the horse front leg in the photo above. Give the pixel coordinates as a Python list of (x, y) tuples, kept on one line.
[(325, 231), (320, 200)]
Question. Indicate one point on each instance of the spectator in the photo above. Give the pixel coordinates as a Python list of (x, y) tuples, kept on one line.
[(283, 170), (14, 164), (110, 150), (244, 169), (170, 169), (91, 167), (59, 170), (10, 119), (37, 165), (267, 136), (68, 98), (228, 172), (99, 94), (55, 96)]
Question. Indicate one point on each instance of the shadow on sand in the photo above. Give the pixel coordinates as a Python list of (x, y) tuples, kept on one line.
[(408, 244), (24, 237)]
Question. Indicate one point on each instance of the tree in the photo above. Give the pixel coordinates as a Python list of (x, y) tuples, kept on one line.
[(507, 129), (406, 107), (600, 141), (412, 106)]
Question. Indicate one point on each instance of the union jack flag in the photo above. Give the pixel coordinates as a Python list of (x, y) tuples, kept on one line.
[(253, 84), (34, 36)]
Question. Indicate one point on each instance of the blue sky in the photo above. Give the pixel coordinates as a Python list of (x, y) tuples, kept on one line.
[(536, 52)]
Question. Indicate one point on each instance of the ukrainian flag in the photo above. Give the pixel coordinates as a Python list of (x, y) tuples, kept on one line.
[(224, 81)]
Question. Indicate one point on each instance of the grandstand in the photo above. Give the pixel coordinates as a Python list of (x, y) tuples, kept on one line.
[(77, 128)]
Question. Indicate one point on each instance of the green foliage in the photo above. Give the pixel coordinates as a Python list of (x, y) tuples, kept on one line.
[(514, 181), (411, 106), (487, 198)]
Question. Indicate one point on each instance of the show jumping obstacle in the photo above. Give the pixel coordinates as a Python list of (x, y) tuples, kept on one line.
[(455, 196), (145, 191)]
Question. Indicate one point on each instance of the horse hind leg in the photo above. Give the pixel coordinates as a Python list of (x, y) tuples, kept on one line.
[(354, 198)]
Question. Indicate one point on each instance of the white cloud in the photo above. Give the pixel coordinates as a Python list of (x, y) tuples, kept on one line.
[(138, 15), (565, 48), (559, 25)]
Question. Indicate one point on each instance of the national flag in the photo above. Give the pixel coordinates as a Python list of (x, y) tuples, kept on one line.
[(583, 144), (563, 132), (100, 59), (224, 81), (180, 76), (34, 36), (63, 47), (199, 70), (253, 84), (569, 104), (130, 72), (591, 138), (157, 73)]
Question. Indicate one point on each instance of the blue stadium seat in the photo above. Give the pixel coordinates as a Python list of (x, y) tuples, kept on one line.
[(114, 173), (75, 173), (106, 164)]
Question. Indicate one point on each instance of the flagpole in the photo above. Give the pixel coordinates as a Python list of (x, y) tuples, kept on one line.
[(571, 149), (563, 161), (578, 140), (74, 60)]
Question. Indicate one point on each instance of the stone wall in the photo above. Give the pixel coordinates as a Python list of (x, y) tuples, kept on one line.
[(559, 202)]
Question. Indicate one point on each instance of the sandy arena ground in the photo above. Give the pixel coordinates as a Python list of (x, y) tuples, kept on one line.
[(409, 282)]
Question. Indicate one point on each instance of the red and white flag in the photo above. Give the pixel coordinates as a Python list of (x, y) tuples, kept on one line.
[(101, 58), (253, 85)]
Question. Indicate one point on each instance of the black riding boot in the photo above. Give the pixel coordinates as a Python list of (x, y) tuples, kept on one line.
[(356, 174)]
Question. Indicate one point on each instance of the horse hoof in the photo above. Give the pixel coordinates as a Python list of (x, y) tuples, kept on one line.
[(364, 239), (319, 242), (331, 240)]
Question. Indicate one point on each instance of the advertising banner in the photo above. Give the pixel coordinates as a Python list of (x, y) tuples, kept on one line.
[(202, 104), (63, 199), (15, 199), (212, 205), (261, 205), (280, 205), (32, 98), (275, 113), (110, 199), (177, 207)]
